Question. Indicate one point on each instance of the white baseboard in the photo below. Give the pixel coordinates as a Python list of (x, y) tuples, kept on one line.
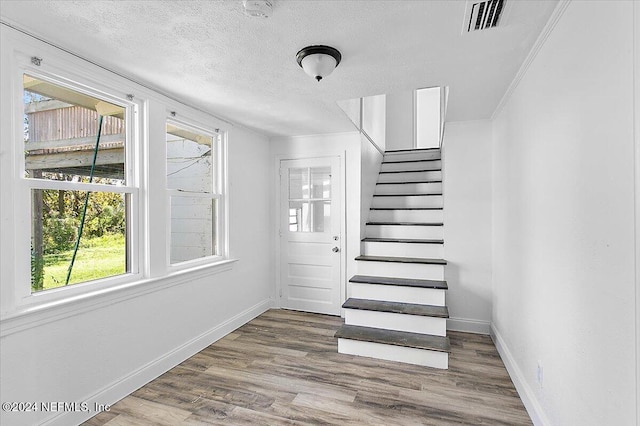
[(469, 325), (537, 414), (122, 387)]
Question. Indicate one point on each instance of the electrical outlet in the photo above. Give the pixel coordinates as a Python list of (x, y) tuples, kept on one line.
[(540, 373)]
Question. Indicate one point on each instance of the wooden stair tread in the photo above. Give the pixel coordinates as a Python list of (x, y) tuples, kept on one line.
[(408, 195), (397, 307), (412, 150), (414, 181), (406, 223), (404, 282), (410, 171), (410, 161), (405, 208), (401, 240), (392, 337), (419, 260)]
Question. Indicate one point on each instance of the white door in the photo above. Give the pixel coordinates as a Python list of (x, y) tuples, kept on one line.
[(310, 237)]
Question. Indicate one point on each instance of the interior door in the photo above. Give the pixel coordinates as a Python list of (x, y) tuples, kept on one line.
[(310, 235)]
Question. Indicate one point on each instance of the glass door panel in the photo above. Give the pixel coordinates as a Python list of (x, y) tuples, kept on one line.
[(310, 199)]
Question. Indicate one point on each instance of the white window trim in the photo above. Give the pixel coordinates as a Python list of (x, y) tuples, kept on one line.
[(59, 74)]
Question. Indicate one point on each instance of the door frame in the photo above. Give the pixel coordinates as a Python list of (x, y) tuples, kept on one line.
[(277, 220)]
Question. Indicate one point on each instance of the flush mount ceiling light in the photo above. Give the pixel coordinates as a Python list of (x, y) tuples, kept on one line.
[(318, 61)]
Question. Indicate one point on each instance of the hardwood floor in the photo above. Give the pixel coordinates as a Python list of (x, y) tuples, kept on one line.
[(283, 368)]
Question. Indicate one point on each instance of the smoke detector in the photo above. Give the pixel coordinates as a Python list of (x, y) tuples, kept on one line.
[(258, 8)]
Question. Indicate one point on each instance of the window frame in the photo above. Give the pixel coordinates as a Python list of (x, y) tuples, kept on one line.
[(19, 308), (56, 72), (219, 191)]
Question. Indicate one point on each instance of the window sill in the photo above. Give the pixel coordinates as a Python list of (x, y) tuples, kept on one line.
[(33, 316)]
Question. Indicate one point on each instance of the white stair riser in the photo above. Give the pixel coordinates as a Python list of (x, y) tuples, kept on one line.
[(415, 201), (395, 293), (395, 321), (416, 165), (408, 156), (405, 231), (427, 250), (410, 176), (414, 216), (418, 271), (414, 356), (410, 188)]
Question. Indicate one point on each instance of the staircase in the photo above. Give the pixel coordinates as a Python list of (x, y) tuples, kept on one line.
[(396, 310)]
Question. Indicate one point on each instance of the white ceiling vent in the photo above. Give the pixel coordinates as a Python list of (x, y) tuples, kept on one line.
[(482, 15)]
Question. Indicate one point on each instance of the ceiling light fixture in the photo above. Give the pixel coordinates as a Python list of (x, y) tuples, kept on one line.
[(318, 61)]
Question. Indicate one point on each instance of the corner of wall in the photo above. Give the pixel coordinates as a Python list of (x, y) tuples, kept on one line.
[(467, 219), (535, 411)]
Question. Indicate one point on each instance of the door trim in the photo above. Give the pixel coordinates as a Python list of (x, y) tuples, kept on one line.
[(276, 222)]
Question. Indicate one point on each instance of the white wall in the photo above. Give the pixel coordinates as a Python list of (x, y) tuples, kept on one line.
[(636, 113), (99, 346), (399, 126), (374, 119), (370, 160), (106, 351), (563, 223), (345, 145), (372, 147), (428, 107), (352, 107), (467, 224)]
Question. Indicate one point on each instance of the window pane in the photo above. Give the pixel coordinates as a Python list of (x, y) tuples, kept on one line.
[(321, 182), (298, 183), (59, 223), (61, 135), (193, 228), (321, 216), (298, 216), (189, 160)]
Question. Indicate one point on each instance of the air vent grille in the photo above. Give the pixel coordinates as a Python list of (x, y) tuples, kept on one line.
[(484, 14)]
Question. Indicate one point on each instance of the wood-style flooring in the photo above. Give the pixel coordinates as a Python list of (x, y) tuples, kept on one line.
[(283, 368)]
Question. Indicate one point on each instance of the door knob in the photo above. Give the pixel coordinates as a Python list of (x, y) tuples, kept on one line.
[(335, 249)]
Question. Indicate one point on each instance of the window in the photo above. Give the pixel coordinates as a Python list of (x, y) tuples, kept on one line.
[(77, 172), (94, 202), (194, 186), (310, 199)]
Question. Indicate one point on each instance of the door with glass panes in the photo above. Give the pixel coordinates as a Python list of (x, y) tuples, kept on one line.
[(310, 237)]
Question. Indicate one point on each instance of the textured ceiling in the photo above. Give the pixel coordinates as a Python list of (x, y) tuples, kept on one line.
[(209, 54)]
